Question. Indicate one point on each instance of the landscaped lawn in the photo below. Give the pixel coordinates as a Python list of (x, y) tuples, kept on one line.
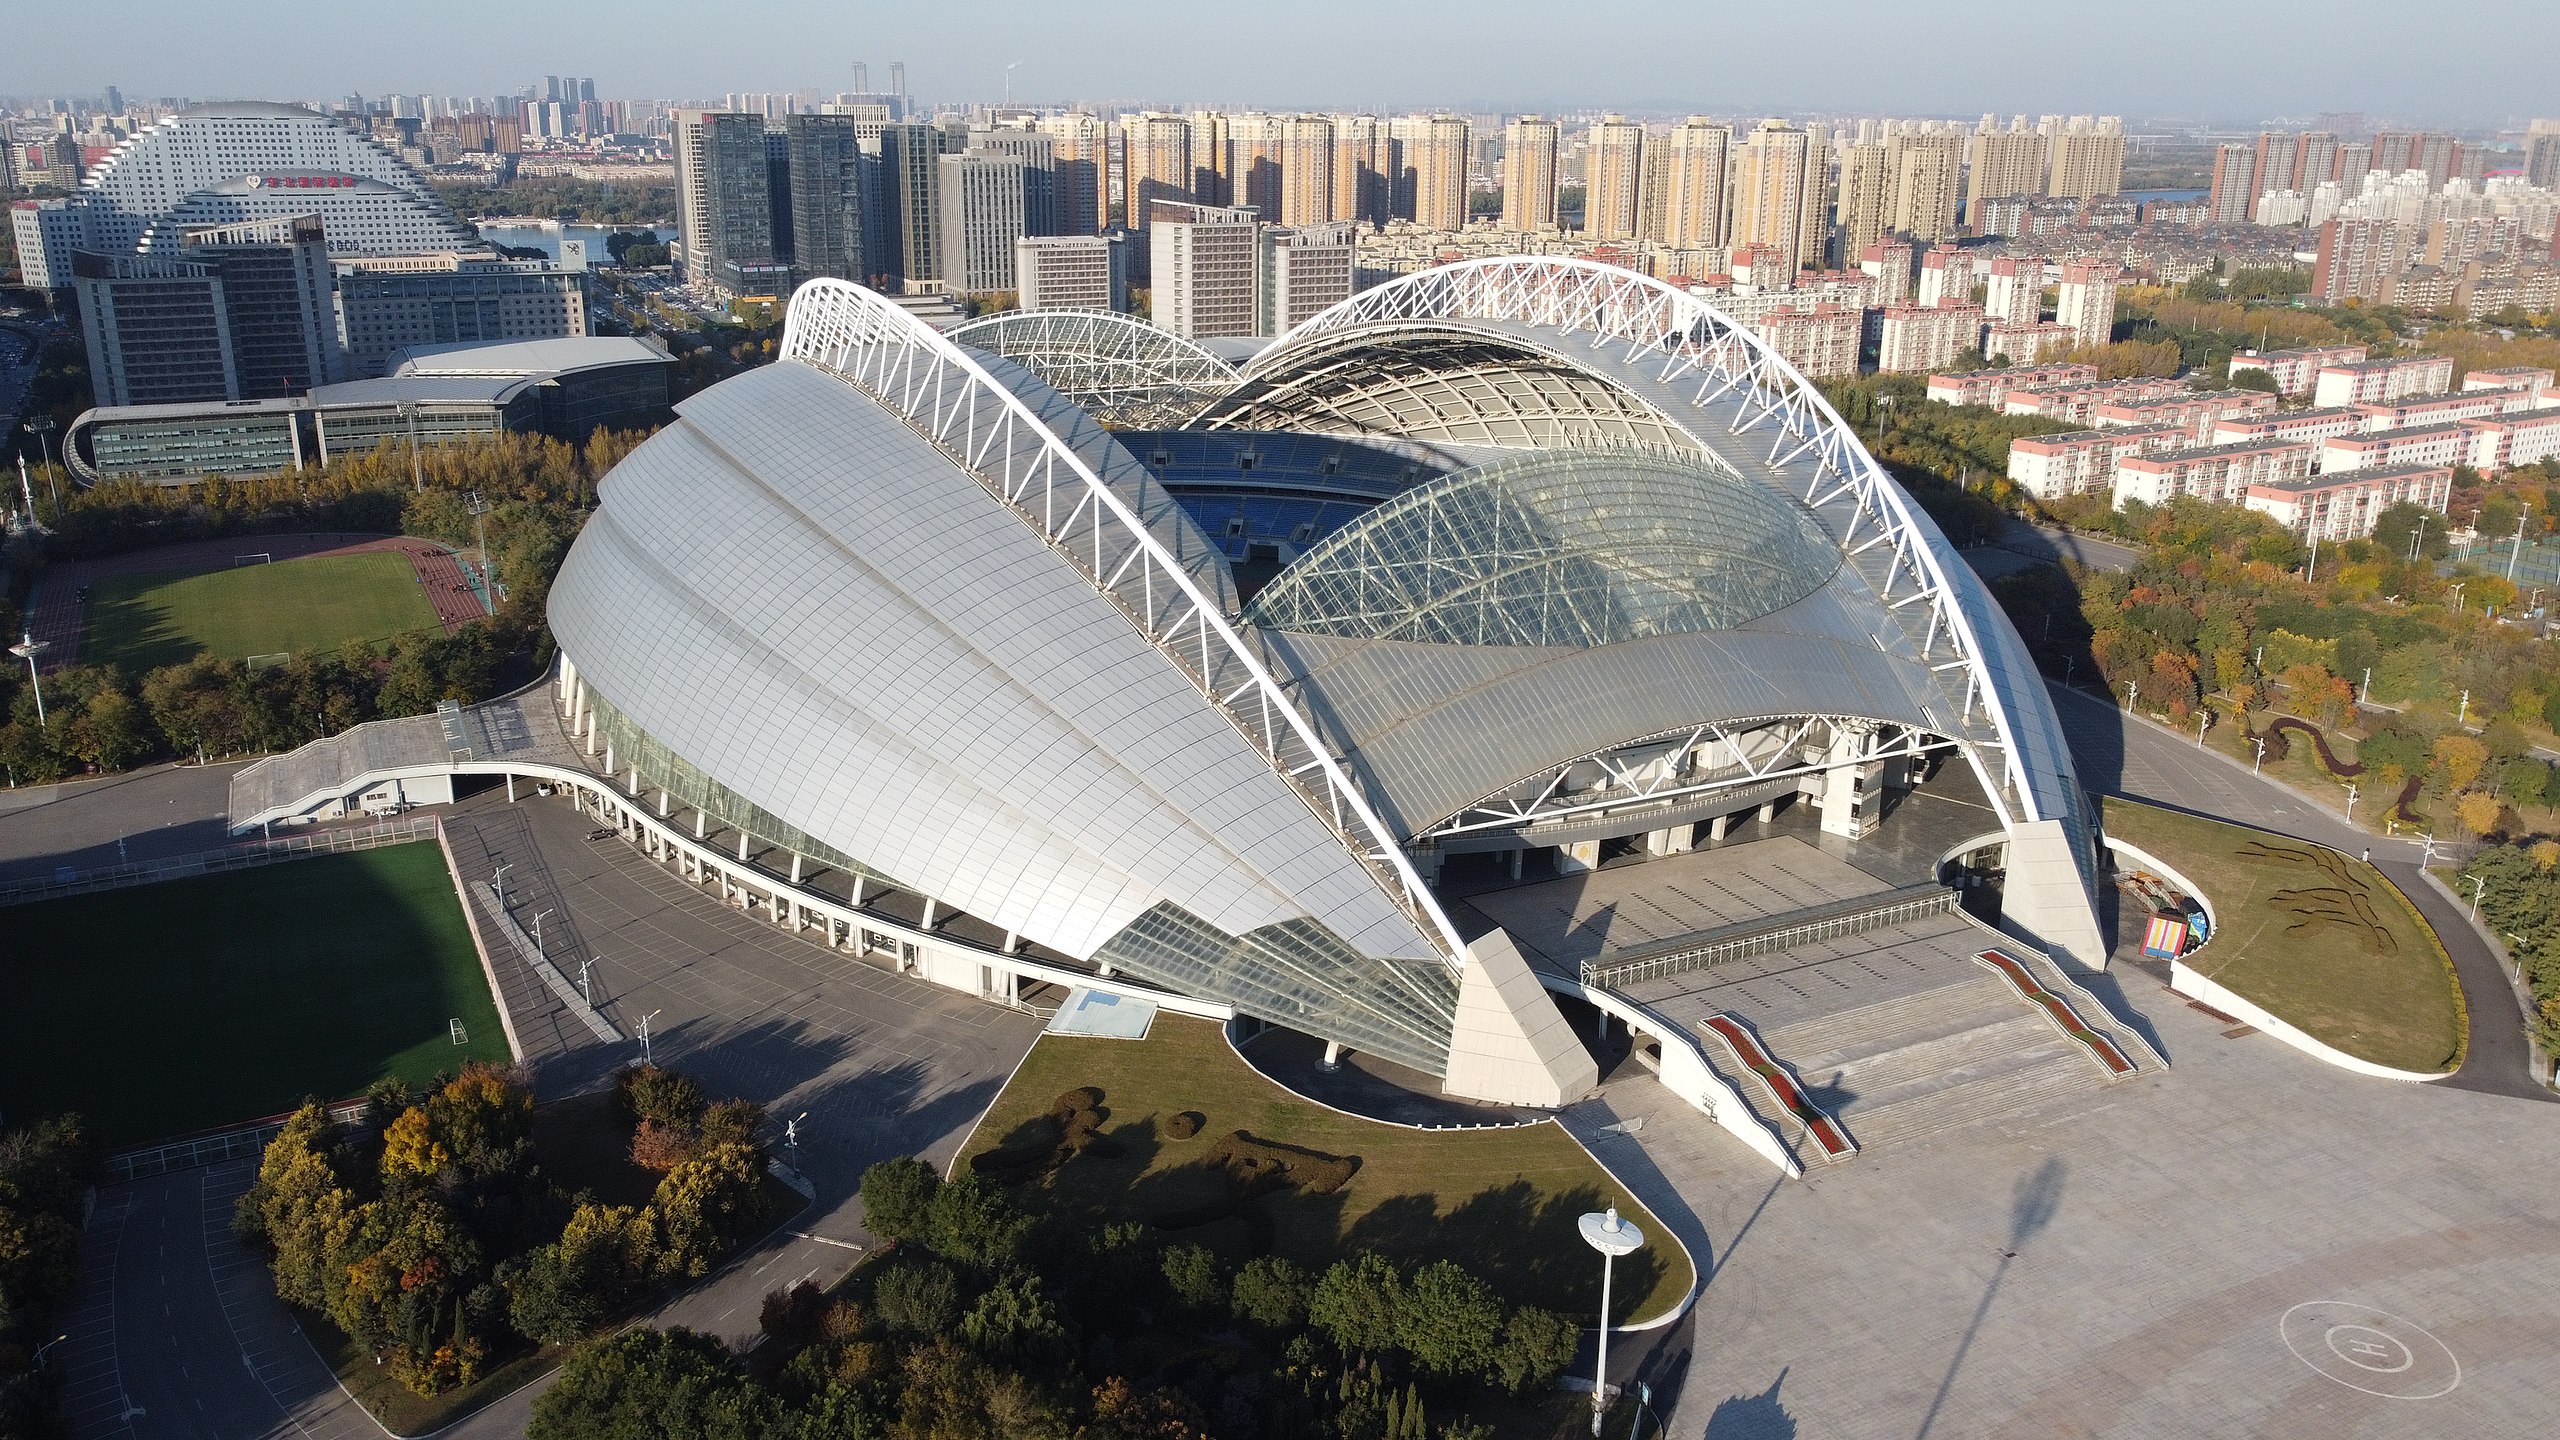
[(169, 1008), (1501, 1202), (320, 602), (2322, 940)]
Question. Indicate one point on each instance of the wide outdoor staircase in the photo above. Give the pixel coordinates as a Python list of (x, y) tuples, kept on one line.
[(1970, 1050)]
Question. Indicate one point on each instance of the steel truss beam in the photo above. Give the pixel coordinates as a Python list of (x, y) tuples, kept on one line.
[(946, 396)]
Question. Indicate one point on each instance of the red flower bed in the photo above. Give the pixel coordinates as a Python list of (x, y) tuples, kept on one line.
[(2060, 1009), (1826, 1131)]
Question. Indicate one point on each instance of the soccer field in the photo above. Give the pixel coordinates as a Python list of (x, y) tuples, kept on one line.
[(169, 1008), (320, 602)]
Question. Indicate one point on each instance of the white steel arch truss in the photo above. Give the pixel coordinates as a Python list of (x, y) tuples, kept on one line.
[(1680, 342), (946, 396), (1127, 373)]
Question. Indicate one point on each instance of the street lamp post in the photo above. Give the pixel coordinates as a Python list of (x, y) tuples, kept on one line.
[(27, 649), (2476, 882), (2261, 741), (2201, 717), (586, 991), (1612, 1237), (647, 1056), (2128, 696), (498, 883), (791, 1137), (42, 427), (537, 936), (2351, 803)]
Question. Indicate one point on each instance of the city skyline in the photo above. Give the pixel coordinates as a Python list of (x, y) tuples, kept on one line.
[(2184, 60)]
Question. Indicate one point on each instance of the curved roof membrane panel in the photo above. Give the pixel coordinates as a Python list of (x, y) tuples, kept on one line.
[(802, 596), (1557, 548)]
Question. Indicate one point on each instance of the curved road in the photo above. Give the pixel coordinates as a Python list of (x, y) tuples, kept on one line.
[(2142, 761)]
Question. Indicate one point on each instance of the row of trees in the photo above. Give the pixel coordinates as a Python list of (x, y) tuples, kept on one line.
[(428, 1234), (2519, 889), (987, 1322), (45, 1173)]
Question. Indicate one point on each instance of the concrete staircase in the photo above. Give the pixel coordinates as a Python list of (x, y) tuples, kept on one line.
[(1963, 1052)]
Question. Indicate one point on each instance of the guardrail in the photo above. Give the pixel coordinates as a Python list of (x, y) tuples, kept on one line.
[(198, 1151), (215, 862), (1828, 921)]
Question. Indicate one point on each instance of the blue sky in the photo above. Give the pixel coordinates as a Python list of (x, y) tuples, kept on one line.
[(2239, 60)]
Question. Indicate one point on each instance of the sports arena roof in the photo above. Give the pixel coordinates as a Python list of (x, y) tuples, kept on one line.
[(912, 604)]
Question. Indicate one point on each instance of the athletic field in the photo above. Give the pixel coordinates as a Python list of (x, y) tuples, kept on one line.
[(320, 602), (169, 1008)]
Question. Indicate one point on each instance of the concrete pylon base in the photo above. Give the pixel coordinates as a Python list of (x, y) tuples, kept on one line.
[(1511, 1044)]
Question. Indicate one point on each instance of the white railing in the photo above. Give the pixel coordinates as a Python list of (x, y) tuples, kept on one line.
[(950, 399), (215, 862), (1690, 338)]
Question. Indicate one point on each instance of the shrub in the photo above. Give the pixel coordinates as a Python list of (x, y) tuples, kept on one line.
[(1256, 1165), (1083, 1097), (1183, 1124)]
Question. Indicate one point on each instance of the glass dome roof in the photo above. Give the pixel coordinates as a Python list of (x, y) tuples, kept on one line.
[(1557, 548)]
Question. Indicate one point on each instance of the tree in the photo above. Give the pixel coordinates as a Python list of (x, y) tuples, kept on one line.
[(644, 1384), (973, 1221), (897, 1198), (1448, 1320), (709, 1203), (556, 1295), (920, 1299), (410, 1149), (1535, 1348), (1359, 1305), (484, 1117), (2254, 378), (2479, 811), (1271, 1291), (2398, 526), (1197, 1278), (2459, 759), (1012, 1317)]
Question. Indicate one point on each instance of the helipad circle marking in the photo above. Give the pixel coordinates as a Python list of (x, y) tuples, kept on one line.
[(2370, 1350)]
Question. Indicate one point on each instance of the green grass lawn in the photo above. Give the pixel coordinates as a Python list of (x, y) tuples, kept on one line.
[(2322, 940), (321, 602), (1501, 1202), (176, 1007)]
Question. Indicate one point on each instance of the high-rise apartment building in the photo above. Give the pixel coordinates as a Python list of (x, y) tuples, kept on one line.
[(2013, 291), (1204, 266), (1769, 189), (1613, 177), (982, 217), (1156, 159), (1691, 183), (1039, 172), (2278, 164), (2319, 160), (2355, 257), (1863, 211), (1927, 168), (1434, 183), (1218, 168), (1079, 152), (1364, 168), (2235, 184), (826, 187), (2002, 162), (2086, 301), (1253, 148), (1307, 189), (1813, 221), (2355, 161), (2088, 155), (1529, 173), (2542, 154), (1946, 273), (1072, 272)]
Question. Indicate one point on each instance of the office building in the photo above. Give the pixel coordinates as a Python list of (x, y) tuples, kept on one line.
[(1613, 175), (1691, 182), (826, 185), (1205, 270), (1039, 172), (387, 305), (237, 162), (910, 164), (982, 206), (242, 312), (1302, 271), (47, 233), (1072, 272), (2086, 301), (1529, 145), (725, 199)]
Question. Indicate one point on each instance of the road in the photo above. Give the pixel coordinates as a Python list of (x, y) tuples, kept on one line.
[(2142, 761)]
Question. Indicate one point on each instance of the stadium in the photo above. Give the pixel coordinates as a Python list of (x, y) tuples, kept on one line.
[(1514, 657)]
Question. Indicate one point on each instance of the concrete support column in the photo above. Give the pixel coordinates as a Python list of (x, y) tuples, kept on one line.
[(1013, 942), (697, 824), (1577, 858), (636, 787), (511, 787), (742, 847), (857, 891), (1672, 841), (1333, 1055), (1847, 778), (1768, 812), (1517, 856), (608, 757), (929, 908), (795, 867), (666, 803), (1715, 827)]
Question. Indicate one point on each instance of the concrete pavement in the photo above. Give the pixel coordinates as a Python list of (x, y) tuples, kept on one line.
[(146, 814)]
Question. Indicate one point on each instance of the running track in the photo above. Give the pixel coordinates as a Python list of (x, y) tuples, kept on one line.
[(56, 613)]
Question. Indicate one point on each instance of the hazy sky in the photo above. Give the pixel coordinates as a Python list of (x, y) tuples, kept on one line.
[(2479, 61)]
